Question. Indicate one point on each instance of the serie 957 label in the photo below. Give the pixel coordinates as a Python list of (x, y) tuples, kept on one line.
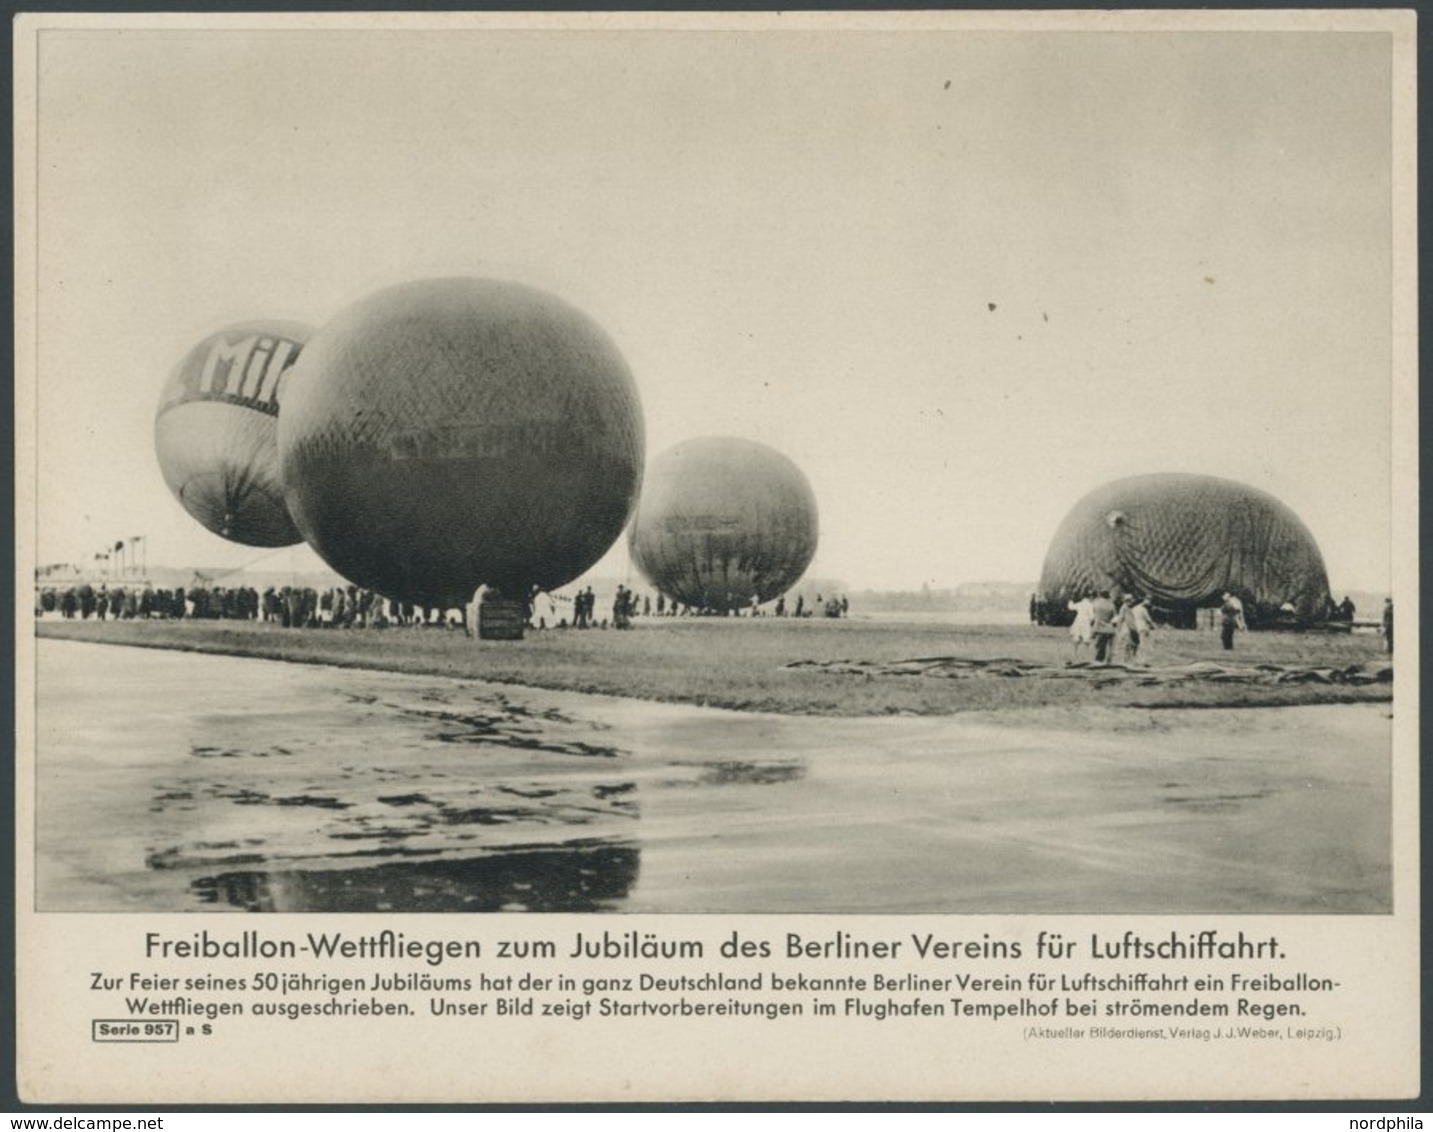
[(134, 1030)]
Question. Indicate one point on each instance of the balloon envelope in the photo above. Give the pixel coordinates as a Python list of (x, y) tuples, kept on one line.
[(452, 433), (216, 431), (722, 520), (1182, 540)]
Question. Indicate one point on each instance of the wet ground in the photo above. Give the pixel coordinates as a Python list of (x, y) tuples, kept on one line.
[(170, 781)]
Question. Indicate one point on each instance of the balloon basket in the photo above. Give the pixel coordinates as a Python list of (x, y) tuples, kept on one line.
[(501, 620)]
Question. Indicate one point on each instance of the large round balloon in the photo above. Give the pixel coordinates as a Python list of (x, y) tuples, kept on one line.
[(722, 520), (452, 433), (1183, 540), (216, 431)]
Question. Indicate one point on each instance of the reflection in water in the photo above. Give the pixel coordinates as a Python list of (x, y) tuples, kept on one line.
[(510, 726), (475, 842), (472, 802), (374, 793), (575, 877), (427, 838)]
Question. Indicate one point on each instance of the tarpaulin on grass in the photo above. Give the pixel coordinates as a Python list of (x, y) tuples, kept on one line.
[(954, 667)]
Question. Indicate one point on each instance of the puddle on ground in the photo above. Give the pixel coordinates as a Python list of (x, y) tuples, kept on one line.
[(261, 786)]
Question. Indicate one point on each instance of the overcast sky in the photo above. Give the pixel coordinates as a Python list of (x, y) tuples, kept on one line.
[(961, 278)]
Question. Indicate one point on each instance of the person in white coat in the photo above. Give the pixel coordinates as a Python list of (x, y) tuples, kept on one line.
[(1081, 626)]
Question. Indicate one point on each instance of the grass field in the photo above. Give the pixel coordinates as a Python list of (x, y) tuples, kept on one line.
[(741, 663)]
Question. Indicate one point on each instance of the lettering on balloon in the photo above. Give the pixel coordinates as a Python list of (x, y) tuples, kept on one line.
[(249, 371)]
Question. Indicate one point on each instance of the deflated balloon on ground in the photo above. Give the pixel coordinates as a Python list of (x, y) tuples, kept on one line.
[(1183, 540)]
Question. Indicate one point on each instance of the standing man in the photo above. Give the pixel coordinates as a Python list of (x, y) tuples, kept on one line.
[(1137, 624), (1388, 625), (1231, 617), (1102, 626)]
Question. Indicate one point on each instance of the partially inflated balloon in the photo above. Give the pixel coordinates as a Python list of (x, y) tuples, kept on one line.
[(216, 431), (723, 520), (1182, 540), (452, 433)]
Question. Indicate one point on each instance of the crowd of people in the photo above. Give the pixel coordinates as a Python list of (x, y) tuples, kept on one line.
[(290, 606), (1122, 628), (1109, 628), (348, 607), (1105, 627), (626, 605)]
